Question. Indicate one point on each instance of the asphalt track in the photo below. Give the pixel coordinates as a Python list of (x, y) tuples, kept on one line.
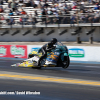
[(78, 82)]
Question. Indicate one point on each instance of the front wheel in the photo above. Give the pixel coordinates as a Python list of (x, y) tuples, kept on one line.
[(66, 62)]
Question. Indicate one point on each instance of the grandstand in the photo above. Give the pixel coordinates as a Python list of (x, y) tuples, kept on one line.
[(50, 13), (84, 10)]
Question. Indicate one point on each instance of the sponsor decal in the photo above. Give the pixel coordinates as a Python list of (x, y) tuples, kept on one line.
[(26, 65), (30, 62), (24, 62), (3, 51), (17, 64), (76, 52)]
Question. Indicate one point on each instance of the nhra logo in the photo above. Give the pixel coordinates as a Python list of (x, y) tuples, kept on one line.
[(77, 53), (17, 50), (2, 51)]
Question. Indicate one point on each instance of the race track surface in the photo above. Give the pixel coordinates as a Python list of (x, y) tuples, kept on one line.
[(78, 82)]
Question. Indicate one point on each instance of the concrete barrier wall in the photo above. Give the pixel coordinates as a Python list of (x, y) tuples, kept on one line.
[(76, 53), (43, 37)]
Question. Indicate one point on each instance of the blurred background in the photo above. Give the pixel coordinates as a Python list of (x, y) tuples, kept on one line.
[(67, 20)]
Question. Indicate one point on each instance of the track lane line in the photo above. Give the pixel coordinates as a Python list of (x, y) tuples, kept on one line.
[(54, 79)]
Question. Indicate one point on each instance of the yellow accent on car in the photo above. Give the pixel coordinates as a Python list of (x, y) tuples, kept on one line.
[(35, 52)]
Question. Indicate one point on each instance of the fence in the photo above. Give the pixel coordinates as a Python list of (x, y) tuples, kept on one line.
[(50, 19)]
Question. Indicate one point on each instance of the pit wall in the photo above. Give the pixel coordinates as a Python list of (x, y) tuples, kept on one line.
[(76, 53), (67, 36)]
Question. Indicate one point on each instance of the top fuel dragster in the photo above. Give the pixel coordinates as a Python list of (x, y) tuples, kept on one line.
[(58, 57)]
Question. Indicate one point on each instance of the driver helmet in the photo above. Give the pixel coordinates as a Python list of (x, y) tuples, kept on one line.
[(53, 40)]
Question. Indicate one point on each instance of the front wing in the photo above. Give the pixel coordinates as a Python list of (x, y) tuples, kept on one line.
[(25, 64)]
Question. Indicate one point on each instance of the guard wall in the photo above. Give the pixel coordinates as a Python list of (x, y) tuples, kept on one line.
[(43, 36)]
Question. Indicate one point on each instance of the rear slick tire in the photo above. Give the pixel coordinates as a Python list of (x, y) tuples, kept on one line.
[(67, 64)]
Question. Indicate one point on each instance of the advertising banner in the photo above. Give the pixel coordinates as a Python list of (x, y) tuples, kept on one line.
[(13, 51), (84, 53), (19, 51), (4, 50), (32, 47), (78, 53)]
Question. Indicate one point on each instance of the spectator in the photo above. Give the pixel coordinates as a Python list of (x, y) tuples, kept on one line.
[(60, 17), (2, 17), (55, 19), (74, 4), (1, 2), (49, 12), (40, 5), (37, 2), (1, 8), (21, 20), (90, 19), (13, 5), (35, 15), (48, 20), (24, 19), (93, 1), (81, 17), (86, 18), (17, 12), (46, 4), (9, 3), (90, 1), (60, 5), (65, 6), (31, 21), (96, 7), (23, 12), (73, 19), (69, 7), (66, 17), (96, 17), (74, 7), (10, 13), (44, 13), (33, 4), (6, 1), (20, 1), (11, 21), (27, 3)]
